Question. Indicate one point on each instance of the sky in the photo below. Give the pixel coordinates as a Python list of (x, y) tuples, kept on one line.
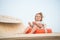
[(26, 10)]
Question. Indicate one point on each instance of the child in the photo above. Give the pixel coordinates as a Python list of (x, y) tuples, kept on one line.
[(37, 26)]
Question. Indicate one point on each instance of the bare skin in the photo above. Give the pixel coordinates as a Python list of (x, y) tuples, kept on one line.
[(38, 26)]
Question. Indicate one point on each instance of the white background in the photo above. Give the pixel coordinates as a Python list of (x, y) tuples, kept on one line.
[(26, 9)]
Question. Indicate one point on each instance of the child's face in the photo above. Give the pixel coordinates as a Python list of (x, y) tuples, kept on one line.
[(37, 17)]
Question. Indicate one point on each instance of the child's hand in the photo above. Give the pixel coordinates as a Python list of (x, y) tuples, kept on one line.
[(29, 24), (34, 23)]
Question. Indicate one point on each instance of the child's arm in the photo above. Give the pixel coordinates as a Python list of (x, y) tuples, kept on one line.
[(39, 25)]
